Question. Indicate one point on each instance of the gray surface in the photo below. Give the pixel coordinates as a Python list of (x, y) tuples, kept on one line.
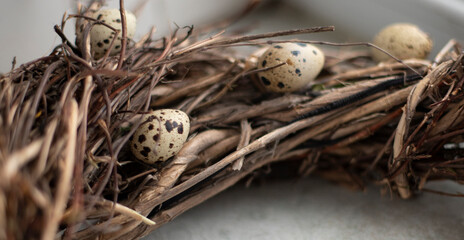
[(316, 209)]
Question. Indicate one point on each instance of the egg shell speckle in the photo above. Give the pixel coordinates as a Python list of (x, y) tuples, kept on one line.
[(160, 136), (402, 40), (303, 62), (101, 36)]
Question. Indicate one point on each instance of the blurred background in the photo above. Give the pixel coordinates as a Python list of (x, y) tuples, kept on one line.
[(288, 209), (27, 25)]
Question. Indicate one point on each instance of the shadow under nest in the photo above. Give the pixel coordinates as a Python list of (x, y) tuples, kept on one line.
[(65, 121)]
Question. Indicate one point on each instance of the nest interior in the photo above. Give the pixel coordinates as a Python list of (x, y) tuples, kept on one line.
[(66, 119)]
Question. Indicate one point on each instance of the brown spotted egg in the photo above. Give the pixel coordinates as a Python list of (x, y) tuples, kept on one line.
[(101, 36), (402, 40), (302, 63), (161, 135)]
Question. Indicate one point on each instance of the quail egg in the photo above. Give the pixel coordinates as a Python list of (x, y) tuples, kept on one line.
[(160, 136), (402, 40), (101, 36), (302, 63)]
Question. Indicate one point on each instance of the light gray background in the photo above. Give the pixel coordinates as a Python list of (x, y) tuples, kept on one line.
[(27, 25), (307, 209)]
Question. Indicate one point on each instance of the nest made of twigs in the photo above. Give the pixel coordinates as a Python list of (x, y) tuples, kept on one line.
[(66, 118)]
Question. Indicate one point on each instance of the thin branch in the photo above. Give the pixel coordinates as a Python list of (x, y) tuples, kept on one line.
[(124, 33)]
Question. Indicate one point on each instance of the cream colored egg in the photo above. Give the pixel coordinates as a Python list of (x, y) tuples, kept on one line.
[(101, 36), (402, 40), (302, 63), (160, 136)]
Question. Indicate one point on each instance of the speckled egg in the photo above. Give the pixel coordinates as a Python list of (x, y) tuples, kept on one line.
[(160, 136), (402, 40), (101, 36), (303, 62)]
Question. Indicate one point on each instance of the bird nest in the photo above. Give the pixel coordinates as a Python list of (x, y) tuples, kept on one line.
[(66, 119)]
